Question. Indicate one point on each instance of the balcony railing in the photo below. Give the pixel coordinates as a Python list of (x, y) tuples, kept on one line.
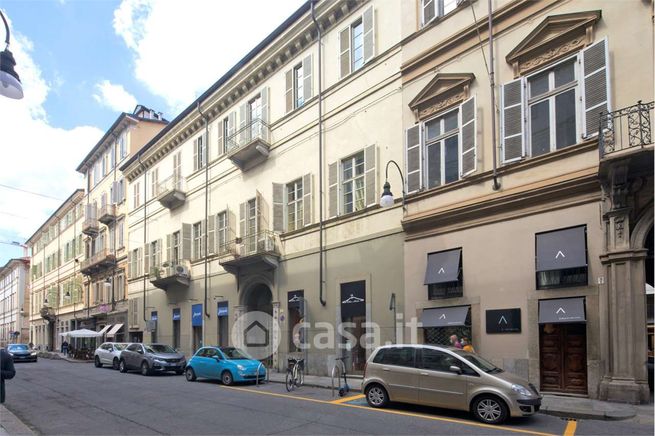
[(107, 213), (171, 273), (102, 259), (171, 193), (90, 226), (256, 250), (625, 128), (249, 145)]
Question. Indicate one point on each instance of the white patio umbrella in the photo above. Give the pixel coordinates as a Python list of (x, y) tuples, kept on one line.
[(82, 333)]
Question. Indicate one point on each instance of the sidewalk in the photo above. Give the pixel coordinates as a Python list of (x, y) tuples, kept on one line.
[(59, 356), (11, 425), (569, 407)]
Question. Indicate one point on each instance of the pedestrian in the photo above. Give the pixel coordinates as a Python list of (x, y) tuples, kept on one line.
[(31, 345), (454, 341), (64, 347), (7, 371), (467, 346)]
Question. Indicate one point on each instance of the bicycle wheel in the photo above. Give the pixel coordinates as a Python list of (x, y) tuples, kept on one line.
[(289, 383), (300, 377)]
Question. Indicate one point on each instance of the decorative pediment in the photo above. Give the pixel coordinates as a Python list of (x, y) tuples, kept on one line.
[(443, 91), (555, 37)]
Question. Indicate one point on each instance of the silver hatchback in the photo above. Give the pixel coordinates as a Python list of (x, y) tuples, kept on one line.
[(448, 378)]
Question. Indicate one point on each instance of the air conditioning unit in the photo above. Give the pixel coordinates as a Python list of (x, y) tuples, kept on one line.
[(182, 270)]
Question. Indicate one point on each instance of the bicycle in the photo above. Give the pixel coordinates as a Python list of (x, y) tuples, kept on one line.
[(343, 390), (295, 377)]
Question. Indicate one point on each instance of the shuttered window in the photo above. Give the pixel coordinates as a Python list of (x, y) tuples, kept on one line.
[(197, 241), (357, 43), (199, 153), (352, 183), (555, 107), (431, 9), (222, 232), (294, 205)]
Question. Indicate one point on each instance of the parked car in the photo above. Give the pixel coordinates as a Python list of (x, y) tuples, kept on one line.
[(149, 358), (449, 378), (21, 353), (108, 353), (227, 364)]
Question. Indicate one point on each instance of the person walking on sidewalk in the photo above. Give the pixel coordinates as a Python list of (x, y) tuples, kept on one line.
[(7, 371)]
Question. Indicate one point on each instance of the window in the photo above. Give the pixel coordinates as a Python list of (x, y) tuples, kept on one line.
[(136, 197), (442, 149), (255, 117), (122, 145), (298, 95), (357, 44), (398, 356), (121, 230), (352, 176), (552, 108), (154, 181), (200, 153), (155, 253), (225, 134), (197, 240), (175, 248), (294, 205), (561, 258), (430, 9), (222, 231), (435, 360), (134, 263)]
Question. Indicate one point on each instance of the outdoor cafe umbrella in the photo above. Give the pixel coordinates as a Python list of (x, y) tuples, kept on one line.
[(81, 333)]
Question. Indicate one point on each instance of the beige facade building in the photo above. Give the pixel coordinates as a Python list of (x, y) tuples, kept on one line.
[(531, 237), (14, 301), (56, 298)]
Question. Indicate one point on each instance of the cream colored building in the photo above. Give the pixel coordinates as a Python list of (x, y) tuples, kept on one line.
[(251, 176), (104, 225), (535, 244), (14, 302), (56, 299)]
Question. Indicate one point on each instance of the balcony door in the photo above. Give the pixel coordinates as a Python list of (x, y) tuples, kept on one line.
[(255, 116)]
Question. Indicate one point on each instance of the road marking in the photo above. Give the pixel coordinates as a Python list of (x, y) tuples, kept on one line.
[(570, 428), (346, 399), (393, 412)]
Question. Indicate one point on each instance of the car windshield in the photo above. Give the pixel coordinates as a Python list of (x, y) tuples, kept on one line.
[(478, 361), (120, 347), (160, 348), (20, 347), (232, 353)]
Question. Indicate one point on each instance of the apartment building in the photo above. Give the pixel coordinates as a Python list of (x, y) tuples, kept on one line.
[(532, 234), (262, 196), (105, 231), (56, 297), (14, 301)]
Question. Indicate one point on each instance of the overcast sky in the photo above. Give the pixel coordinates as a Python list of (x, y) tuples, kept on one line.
[(83, 62)]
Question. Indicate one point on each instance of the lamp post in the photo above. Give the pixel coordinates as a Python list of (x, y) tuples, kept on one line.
[(387, 200), (10, 85)]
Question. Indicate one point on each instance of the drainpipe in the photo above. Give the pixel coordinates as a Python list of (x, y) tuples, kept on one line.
[(145, 219), (492, 86), (320, 162), (205, 237)]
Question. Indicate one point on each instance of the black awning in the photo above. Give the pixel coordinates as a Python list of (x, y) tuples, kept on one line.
[(562, 249), (445, 316), (562, 310), (443, 267)]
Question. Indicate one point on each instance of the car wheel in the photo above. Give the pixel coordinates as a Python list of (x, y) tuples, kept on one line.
[(115, 363), (376, 396), (145, 369), (190, 374), (122, 367), (227, 378), (97, 362), (490, 409)]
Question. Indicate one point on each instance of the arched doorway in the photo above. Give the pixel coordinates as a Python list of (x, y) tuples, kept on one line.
[(258, 333)]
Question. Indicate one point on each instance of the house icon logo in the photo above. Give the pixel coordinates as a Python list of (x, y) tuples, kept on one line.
[(257, 333)]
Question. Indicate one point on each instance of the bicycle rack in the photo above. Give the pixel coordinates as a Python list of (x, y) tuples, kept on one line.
[(257, 379)]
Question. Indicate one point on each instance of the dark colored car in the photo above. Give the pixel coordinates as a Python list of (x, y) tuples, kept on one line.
[(21, 353), (149, 358)]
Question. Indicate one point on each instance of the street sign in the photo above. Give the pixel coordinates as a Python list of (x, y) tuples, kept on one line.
[(504, 321)]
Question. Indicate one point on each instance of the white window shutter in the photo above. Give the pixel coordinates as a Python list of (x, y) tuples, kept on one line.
[(512, 126), (278, 208), (344, 52), (242, 219), (186, 241), (262, 212), (307, 78), (333, 189), (211, 234), (195, 154), (413, 158), (288, 93), (307, 202), (221, 147), (368, 21), (146, 258), (370, 179), (468, 137), (243, 120), (169, 248), (265, 107), (596, 85)]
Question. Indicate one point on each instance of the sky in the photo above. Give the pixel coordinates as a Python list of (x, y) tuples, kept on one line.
[(82, 62)]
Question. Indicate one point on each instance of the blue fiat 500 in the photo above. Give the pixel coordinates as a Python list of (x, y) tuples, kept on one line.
[(227, 364)]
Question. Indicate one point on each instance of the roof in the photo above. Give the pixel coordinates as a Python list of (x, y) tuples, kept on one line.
[(77, 192), (7, 266), (247, 58)]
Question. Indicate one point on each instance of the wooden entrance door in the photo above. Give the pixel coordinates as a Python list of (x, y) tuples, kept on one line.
[(563, 354)]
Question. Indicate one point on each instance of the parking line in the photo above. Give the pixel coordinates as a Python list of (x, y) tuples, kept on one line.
[(570, 428), (394, 412), (346, 399)]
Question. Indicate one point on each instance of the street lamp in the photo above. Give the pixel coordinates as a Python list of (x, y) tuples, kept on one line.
[(387, 200), (10, 85)]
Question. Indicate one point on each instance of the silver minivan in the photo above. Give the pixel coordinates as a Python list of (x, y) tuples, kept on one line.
[(449, 378)]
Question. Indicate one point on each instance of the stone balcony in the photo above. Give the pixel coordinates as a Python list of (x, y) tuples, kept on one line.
[(258, 252), (250, 145)]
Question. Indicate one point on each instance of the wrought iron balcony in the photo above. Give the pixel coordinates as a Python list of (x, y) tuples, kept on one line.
[(626, 131), (102, 259), (91, 226), (257, 251), (170, 274), (107, 213), (250, 144), (171, 193)]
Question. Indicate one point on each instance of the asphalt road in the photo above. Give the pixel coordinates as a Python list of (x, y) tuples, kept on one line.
[(57, 397)]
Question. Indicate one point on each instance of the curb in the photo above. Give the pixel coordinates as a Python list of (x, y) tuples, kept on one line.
[(317, 385), (44, 355), (616, 415), (11, 424)]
